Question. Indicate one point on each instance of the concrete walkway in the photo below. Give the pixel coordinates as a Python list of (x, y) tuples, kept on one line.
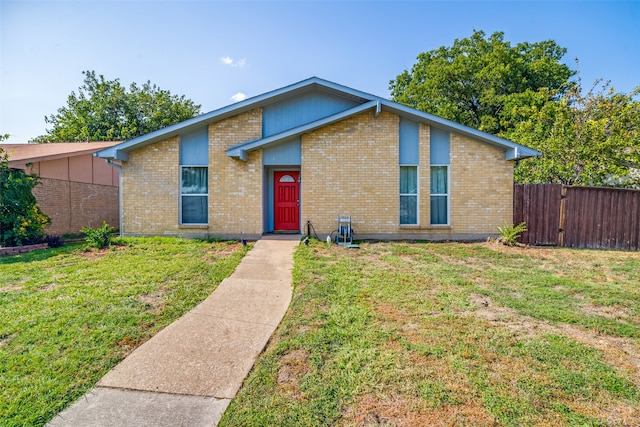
[(187, 374)]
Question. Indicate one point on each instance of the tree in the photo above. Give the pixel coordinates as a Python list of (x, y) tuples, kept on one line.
[(103, 110), (586, 139), (474, 80), (525, 94), (21, 221)]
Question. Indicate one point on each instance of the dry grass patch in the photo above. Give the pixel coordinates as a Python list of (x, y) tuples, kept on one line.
[(154, 300), (293, 366), (220, 250), (452, 334), (621, 353), (397, 411)]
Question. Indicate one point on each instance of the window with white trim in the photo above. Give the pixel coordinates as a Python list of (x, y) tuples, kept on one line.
[(408, 195), (194, 194), (409, 145), (439, 195), (194, 178), (439, 158)]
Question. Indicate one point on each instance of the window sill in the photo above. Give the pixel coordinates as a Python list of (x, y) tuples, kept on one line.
[(426, 227), (194, 226)]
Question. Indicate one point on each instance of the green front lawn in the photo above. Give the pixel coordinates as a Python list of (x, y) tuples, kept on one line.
[(452, 334), (68, 315), (389, 334)]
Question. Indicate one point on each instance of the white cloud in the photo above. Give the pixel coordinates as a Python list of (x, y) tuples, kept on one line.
[(227, 60), (238, 97)]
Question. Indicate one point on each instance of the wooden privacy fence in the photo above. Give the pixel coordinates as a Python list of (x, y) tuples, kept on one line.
[(578, 217)]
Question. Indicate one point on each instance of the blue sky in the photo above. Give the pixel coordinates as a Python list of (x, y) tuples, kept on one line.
[(213, 52)]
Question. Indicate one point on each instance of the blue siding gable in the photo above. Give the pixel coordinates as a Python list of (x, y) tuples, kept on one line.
[(194, 147), (439, 147), (409, 142), (297, 111), (286, 153)]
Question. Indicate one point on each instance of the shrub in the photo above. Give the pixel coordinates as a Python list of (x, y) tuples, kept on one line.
[(21, 220), (54, 241), (509, 234), (98, 237)]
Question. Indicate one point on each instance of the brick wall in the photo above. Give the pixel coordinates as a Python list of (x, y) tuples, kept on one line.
[(481, 187), (151, 189), (73, 205), (424, 178), (151, 185), (351, 167), (235, 186)]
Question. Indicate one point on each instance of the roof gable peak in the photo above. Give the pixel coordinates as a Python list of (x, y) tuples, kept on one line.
[(313, 84)]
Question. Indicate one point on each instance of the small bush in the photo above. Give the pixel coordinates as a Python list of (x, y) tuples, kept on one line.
[(21, 220), (54, 241), (509, 234), (98, 237)]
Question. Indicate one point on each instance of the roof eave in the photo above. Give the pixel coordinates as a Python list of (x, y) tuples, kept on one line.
[(120, 151), (25, 158), (513, 150), (44, 158)]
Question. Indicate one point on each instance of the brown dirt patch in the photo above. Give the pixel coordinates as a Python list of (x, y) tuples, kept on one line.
[(11, 288), (5, 339), (93, 253), (372, 410), (220, 251), (154, 299), (128, 344), (557, 259), (47, 288), (461, 407), (620, 353), (622, 414), (611, 312), (293, 366)]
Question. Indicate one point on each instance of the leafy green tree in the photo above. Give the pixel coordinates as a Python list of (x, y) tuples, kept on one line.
[(475, 81), (525, 94), (586, 139), (21, 221), (104, 110)]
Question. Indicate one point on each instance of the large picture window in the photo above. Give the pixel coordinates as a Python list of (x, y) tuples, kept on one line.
[(408, 195), (193, 191), (439, 195)]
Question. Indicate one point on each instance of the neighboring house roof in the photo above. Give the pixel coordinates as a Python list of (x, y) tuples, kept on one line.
[(21, 154), (363, 102)]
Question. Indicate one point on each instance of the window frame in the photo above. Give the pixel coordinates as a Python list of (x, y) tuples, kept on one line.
[(416, 195), (183, 194), (446, 195)]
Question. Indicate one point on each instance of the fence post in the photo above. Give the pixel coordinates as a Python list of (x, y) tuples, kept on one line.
[(563, 199)]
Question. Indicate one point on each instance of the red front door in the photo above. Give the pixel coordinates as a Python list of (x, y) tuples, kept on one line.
[(286, 201)]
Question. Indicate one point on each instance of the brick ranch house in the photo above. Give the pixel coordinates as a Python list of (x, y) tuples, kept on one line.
[(311, 152), (76, 189)]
